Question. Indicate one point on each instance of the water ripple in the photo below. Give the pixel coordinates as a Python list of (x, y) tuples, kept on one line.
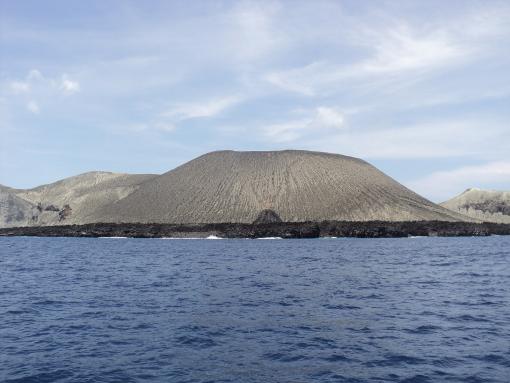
[(341, 310)]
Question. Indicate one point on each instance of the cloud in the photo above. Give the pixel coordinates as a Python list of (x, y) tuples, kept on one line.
[(302, 80), (329, 117), (402, 49), (444, 185), (395, 50), (321, 120), (68, 86), (251, 31), (436, 139), (33, 107), (35, 87), (169, 119), (210, 108), (35, 82), (427, 79), (397, 53), (25, 86)]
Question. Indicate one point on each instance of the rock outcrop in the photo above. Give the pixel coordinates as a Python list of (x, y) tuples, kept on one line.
[(267, 216)]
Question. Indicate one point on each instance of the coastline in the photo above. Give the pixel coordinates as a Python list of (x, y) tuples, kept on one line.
[(365, 229)]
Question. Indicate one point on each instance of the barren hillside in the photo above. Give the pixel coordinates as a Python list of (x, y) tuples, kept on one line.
[(229, 186), (66, 201), (485, 205)]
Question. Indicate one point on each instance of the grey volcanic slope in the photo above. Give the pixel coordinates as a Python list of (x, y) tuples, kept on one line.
[(14, 211), (228, 186), (67, 201), (485, 205)]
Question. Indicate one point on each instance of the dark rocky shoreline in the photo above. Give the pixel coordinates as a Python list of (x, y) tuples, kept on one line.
[(371, 229)]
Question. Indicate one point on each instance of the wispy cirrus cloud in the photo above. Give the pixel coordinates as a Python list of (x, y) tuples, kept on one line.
[(177, 114), (318, 121), (395, 50), (200, 109)]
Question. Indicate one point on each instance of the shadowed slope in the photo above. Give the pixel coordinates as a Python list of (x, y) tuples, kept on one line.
[(298, 186), (485, 205)]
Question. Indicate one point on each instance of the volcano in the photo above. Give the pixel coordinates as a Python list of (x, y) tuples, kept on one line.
[(293, 185)]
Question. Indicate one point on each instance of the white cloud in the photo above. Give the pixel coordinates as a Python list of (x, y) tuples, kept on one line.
[(35, 87), (302, 80), (286, 132), (441, 139), (394, 53), (33, 107), (211, 108), (68, 86), (321, 119), (394, 50), (329, 117), (25, 86), (443, 185), (402, 49), (251, 32), (380, 59)]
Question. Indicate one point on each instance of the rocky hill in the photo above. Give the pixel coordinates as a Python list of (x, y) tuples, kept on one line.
[(14, 211), (229, 187), (297, 186), (67, 201), (485, 205)]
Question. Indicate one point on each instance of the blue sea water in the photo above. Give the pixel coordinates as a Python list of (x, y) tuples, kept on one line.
[(321, 310)]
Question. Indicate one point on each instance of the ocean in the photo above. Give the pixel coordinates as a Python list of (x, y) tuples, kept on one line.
[(318, 310)]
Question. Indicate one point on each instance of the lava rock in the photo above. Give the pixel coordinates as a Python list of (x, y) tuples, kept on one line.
[(267, 216)]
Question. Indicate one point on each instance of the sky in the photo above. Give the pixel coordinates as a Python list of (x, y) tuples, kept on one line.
[(420, 89)]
